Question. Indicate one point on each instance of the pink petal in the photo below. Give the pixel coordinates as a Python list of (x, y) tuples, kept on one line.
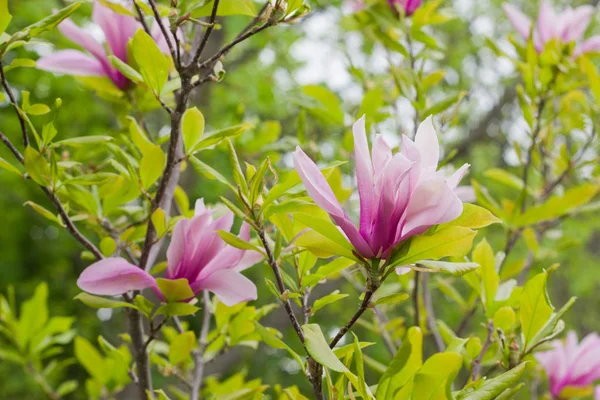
[(177, 247), (114, 276), (117, 28), (427, 143), (249, 259), (364, 175), (432, 203), (588, 46), (382, 155), (229, 286), (597, 393), (84, 39), (547, 24), (576, 22), (72, 62), (466, 194), (403, 270), (316, 185), (455, 179), (519, 21)]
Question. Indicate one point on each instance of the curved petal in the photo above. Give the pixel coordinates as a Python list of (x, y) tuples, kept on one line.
[(316, 185), (72, 62), (382, 155), (455, 179), (520, 21), (547, 24), (114, 276), (177, 247), (83, 39), (466, 194), (588, 46), (117, 28), (427, 143), (229, 286), (576, 23), (432, 203), (364, 175)]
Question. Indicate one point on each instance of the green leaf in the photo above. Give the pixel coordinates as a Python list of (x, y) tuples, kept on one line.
[(392, 299), (126, 70), (159, 221), (325, 227), (83, 141), (452, 268), (9, 167), (326, 271), (67, 387), (506, 178), (181, 347), (238, 175), (272, 340), (434, 379), (153, 64), (444, 104), (175, 289), (536, 308), (236, 242), (328, 299), (557, 206), (33, 316), (192, 128), (101, 302), (5, 16), (406, 362), (37, 109), (330, 110), (210, 173), (322, 246), (473, 217), (484, 256), (452, 241), (317, 347), (490, 389), (108, 246), (91, 360), (215, 137), (360, 369), (139, 137), (177, 309), (549, 330), (227, 7), (504, 318), (37, 166), (152, 166), (45, 213)]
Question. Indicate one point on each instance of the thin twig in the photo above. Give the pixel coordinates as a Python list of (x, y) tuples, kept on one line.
[(362, 308), (141, 18), (164, 31), (13, 101), (415, 299), (202, 344), (484, 349), (439, 342), (209, 30)]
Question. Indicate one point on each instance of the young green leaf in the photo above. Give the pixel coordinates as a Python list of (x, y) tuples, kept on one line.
[(101, 302), (328, 299), (159, 221), (536, 309), (192, 128), (175, 289), (153, 64), (181, 347)]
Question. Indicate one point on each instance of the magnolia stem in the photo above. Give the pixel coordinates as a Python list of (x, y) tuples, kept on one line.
[(439, 342), (13, 101), (202, 344), (484, 349), (363, 307)]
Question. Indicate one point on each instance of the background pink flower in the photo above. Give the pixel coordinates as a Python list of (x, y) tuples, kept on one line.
[(409, 6), (570, 363), (196, 253), (118, 30), (401, 195), (568, 26)]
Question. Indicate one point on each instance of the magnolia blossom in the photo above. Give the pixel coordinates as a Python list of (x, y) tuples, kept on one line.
[(401, 195), (196, 253), (409, 6), (571, 363), (568, 26), (118, 29)]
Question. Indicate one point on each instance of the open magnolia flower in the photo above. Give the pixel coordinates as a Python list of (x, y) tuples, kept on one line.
[(572, 364), (196, 253), (568, 26), (118, 30), (401, 195)]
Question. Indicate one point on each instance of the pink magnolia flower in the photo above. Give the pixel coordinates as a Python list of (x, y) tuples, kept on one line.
[(571, 363), (196, 253), (409, 6), (118, 29), (568, 26), (401, 195)]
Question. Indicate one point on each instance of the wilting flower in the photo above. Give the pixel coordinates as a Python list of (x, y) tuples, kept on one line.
[(196, 253), (401, 195), (568, 26), (571, 363), (409, 6), (118, 29)]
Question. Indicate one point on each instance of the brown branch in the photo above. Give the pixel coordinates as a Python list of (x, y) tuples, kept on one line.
[(13, 101), (209, 30), (415, 299), (202, 344), (141, 18), (164, 31), (136, 330), (362, 308), (484, 349)]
